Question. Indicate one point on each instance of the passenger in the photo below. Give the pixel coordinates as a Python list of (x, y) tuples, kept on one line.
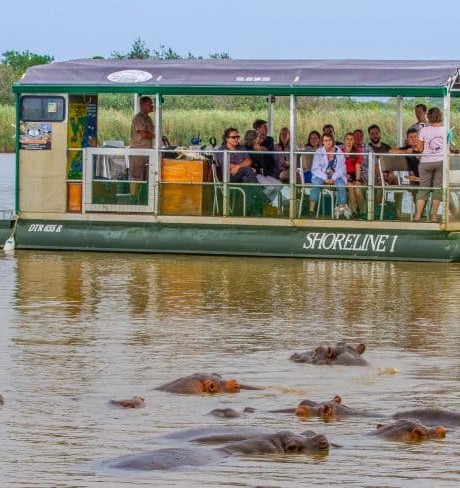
[(380, 147), (358, 135), (271, 184), (410, 147), (329, 129), (282, 160), (241, 170), (313, 143), (265, 142), (142, 135), (375, 140), (329, 169), (431, 141), (420, 114), (353, 160)]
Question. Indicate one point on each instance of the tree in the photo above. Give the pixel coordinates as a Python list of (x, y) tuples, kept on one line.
[(138, 51), (20, 61), (222, 55), (7, 78)]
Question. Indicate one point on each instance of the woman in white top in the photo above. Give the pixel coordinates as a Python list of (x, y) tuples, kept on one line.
[(431, 141)]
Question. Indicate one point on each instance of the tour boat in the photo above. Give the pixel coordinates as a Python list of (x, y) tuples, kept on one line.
[(74, 191)]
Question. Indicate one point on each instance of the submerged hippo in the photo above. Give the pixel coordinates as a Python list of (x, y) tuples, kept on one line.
[(230, 413), (283, 442), (409, 430), (136, 401), (216, 434), (342, 353), (204, 383), (332, 409), (431, 416)]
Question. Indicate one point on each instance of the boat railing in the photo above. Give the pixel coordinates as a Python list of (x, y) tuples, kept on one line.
[(197, 182)]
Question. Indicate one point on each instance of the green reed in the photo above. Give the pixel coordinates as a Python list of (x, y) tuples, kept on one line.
[(181, 125)]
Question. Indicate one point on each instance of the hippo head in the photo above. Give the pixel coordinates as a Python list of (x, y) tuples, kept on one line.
[(410, 430), (300, 443), (323, 355)]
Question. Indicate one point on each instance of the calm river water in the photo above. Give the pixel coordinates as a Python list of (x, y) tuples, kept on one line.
[(79, 329)]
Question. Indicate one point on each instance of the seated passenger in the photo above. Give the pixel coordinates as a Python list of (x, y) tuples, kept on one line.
[(313, 143), (329, 129), (410, 148), (353, 160), (358, 135), (329, 169), (264, 142), (271, 184), (282, 160), (241, 170)]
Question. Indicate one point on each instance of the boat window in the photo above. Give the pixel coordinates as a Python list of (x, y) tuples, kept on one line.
[(42, 108)]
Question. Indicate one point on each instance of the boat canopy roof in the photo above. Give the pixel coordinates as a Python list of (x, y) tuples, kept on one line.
[(246, 77)]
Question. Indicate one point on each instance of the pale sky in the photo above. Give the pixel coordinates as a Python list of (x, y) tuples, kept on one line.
[(269, 29)]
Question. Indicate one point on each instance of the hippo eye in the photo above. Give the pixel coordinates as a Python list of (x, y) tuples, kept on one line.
[(211, 387), (292, 448)]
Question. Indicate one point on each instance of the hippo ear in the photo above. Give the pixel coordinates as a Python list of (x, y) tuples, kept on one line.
[(337, 399), (360, 348)]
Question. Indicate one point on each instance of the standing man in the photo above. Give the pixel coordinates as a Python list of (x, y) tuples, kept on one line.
[(142, 136), (420, 114)]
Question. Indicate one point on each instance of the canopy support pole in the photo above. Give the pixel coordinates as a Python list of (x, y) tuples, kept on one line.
[(155, 169), (399, 121), (446, 165), (292, 161), (271, 115)]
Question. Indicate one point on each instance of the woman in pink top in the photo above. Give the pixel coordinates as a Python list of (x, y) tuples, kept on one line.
[(431, 141)]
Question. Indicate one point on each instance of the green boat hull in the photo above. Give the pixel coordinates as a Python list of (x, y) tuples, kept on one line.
[(239, 240)]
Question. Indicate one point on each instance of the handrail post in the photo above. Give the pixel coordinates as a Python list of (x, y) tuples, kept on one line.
[(225, 181), (370, 189)]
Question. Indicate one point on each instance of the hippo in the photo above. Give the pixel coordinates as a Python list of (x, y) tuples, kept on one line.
[(136, 401), (409, 430), (342, 353), (431, 416), (204, 383), (283, 442), (230, 413), (216, 434), (328, 410)]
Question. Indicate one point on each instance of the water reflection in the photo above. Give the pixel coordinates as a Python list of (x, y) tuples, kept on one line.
[(80, 329)]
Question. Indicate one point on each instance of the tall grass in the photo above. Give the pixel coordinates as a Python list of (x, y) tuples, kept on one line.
[(6, 128), (181, 125)]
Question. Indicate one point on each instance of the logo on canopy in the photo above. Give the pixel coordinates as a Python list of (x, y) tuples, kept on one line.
[(129, 76)]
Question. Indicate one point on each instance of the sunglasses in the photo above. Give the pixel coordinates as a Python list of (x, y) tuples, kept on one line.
[(234, 137)]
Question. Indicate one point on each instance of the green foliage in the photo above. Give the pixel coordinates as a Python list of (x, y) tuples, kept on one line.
[(138, 51), (6, 128), (20, 61), (7, 78)]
